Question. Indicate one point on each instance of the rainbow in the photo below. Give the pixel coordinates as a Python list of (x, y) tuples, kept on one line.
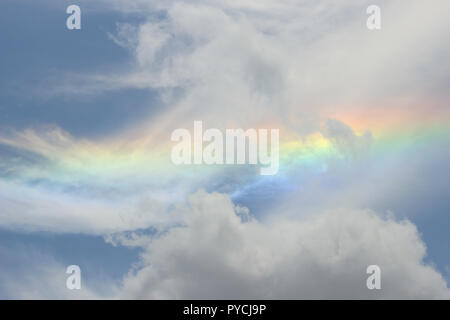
[(143, 161)]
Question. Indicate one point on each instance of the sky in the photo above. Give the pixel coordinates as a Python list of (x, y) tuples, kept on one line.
[(86, 176)]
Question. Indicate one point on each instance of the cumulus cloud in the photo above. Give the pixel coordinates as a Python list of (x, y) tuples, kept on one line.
[(216, 255)]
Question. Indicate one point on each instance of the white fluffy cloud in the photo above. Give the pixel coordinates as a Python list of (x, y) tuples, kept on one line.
[(283, 54), (216, 255)]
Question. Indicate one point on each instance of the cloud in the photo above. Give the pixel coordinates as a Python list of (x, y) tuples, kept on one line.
[(40, 209), (346, 141), (293, 64), (296, 57), (290, 63), (216, 255)]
